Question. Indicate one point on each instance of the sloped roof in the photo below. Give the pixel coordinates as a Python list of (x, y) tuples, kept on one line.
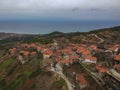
[(81, 79)]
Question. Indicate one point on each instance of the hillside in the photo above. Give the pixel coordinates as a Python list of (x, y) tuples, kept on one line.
[(31, 62)]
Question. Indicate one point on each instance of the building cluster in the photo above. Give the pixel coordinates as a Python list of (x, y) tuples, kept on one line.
[(63, 55), (53, 54)]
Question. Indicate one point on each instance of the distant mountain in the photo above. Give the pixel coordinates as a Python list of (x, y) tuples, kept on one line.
[(109, 35), (55, 33), (112, 29), (4, 35)]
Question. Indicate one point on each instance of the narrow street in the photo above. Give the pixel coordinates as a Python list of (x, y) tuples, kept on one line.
[(69, 85)]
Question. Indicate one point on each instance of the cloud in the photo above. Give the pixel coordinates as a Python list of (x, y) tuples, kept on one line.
[(61, 8)]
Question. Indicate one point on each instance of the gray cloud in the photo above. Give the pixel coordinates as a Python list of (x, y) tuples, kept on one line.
[(76, 9)]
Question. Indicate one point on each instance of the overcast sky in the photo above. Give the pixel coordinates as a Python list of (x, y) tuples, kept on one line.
[(66, 9)]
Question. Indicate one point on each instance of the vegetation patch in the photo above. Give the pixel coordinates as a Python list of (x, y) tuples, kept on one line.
[(36, 73), (61, 83), (6, 64)]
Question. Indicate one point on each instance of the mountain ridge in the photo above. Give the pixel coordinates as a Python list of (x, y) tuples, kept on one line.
[(110, 35)]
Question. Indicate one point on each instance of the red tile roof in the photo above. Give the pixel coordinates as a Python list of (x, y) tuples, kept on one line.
[(25, 45), (65, 61), (47, 52), (32, 44), (112, 48), (59, 51), (81, 79), (117, 57), (73, 57), (57, 59), (74, 48), (94, 47), (66, 50), (39, 48), (86, 52), (33, 53), (25, 53), (90, 57), (83, 50), (83, 45), (101, 69), (13, 49), (117, 66)]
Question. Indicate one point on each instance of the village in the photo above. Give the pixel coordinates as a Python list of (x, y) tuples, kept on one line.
[(54, 57)]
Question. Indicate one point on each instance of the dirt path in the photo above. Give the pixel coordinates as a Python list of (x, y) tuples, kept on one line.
[(96, 36), (101, 40)]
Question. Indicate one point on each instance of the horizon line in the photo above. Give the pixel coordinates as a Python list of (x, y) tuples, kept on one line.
[(59, 31)]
